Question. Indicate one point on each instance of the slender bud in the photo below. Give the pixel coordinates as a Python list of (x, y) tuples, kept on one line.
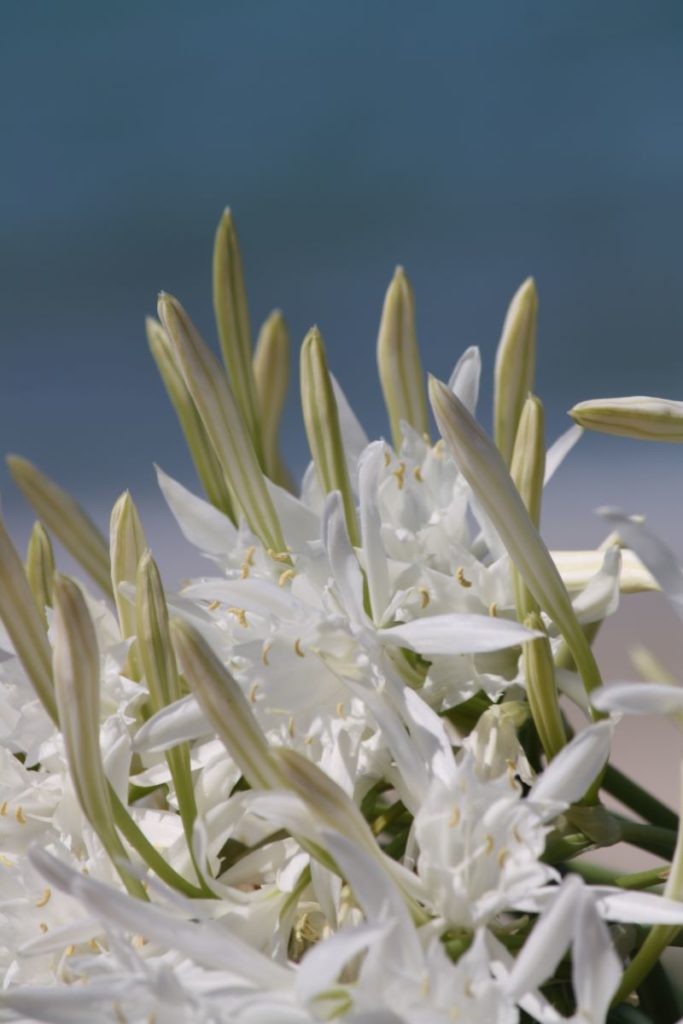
[(639, 417), (322, 427), (205, 460), (221, 417), (232, 318), (515, 366), (539, 672), (40, 568), (24, 624), (483, 467), (398, 359), (126, 545), (225, 706), (65, 518), (527, 471), (271, 372), (76, 666)]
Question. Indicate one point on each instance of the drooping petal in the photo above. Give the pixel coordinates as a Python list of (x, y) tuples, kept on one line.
[(639, 699), (202, 524), (570, 773), (456, 634)]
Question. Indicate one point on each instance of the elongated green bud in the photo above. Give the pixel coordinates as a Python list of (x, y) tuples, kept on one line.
[(40, 568), (271, 372), (126, 546), (205, 460), (527, 471), (483, 467), (225, 706), (539, 672), (24, 623), (398, 359), (232, 318), (515, 366), (76, 666), (322, 427), (639, 417), (211, 393), (65, 518)]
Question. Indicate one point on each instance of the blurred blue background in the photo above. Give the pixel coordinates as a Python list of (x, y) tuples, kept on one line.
[(473, 143)]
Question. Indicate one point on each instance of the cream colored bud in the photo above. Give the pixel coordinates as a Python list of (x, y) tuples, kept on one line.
[(232, 319), (126, 546), (224, 425), (271, 372), (527, 471), (225, 706), (483, 467), (398, 360), (321, 418), (40, 567), (639, 417), (515, 366), (203, 455), (24, 624), (539, 672), (76, 668), (154, 638), (65, 518)]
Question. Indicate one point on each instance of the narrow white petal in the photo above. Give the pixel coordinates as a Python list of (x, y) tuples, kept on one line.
[(464, 381), (547, 943), (183, 720), (201, 523), (653, 553), (342, 558), (324, 962), (369, 469), (600, 597), (559, 451), (456, 634), (596, 969), (570, 773), (631, 907), (354, 437), (261, 597), (639, 699)]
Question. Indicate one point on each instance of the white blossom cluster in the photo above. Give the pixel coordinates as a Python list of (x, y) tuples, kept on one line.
[(333, 779)]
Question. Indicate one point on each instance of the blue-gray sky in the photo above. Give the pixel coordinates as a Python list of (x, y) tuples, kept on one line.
[(475, 143)]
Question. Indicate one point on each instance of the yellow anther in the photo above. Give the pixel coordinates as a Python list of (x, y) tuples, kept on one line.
[(341, 710), (502, 857), (298, 649), (467, 989), (290, 726), (489, 844), (20, 816), (387, 457), (94, 945), (515, 832), (252, 692), (3, 809), (417, 473), (400, 474), (308, 740), (287, 575), (214, 605), (493, 610), (439, 447), (249, 555), (139, 941), (70, 950), (44, 898), (454, 818), (240, 615), (5, 861), (43, 927), (278, 556), (244, 571), (461, 578), (424, 596), (264, 653)]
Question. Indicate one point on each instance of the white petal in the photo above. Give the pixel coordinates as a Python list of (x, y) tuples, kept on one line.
[(569, 775), (456, 634), (600, 597), (559, 450), (547, 943), (299, 523), (631, 907), (324, 962), (252, 595), (369, 469), (342, 558), (354, 437), (653, 553), (639, 699), (596, 969), (464, 381), (183, 720), (201, 523)]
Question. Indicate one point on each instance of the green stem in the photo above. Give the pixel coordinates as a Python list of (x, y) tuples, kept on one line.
[(637, 799), (660, 841)]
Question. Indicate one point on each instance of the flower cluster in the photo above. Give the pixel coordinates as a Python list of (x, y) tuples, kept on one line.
[(334, 777)]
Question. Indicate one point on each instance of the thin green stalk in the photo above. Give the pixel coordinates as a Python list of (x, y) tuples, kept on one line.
[(637, 799)]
